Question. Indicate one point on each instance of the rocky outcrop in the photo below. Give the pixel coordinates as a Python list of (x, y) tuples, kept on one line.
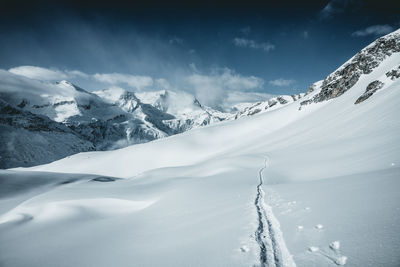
[(371, 89), (394, 73), (28, 139), (363, 62)]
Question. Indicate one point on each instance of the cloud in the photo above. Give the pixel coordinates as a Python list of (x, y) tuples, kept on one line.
[(76, 73), (335, 7), (39, 73), (162, 84), (212, 89), (237, 97), (305, 34), (135, 81), (242, 42), (374, 30), (281, 82), (218, 88)]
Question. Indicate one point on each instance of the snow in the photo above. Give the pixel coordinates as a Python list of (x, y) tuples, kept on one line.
[(196, 199), (319, 226), (335, 245)]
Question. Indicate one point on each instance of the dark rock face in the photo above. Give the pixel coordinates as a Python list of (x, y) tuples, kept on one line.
[(371, 89), (28, 139), (281, 100), (272, 102), (394, 73), (363, 62)]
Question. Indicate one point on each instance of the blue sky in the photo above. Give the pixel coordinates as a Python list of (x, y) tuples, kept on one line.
[(269, 47)]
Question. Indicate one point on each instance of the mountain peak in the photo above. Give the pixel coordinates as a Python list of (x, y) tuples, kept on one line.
[(360, 65)]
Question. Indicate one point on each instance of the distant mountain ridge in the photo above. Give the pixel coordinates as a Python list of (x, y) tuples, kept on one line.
[(31, 111)]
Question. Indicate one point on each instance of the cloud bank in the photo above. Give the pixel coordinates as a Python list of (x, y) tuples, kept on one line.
[(375, 30), (281, 82), (212, 89), (39, 73)]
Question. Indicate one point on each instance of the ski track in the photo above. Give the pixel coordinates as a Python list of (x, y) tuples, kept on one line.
[(273, 251)]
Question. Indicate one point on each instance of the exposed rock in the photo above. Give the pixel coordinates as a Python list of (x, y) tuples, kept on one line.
[(394, 73), (371, 89), (272, 102), (281, 100), (363, 62)]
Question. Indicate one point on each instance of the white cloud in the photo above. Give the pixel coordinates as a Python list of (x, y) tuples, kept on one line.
[(39, 73), (237, 97), (242, 42), (305, 34), (211, 89), (135, 81), (162, 84), (374, 30), (218, 89), (281, 82), (76, 73)]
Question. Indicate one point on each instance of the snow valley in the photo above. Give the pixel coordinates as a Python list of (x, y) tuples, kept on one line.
[(302, 180)]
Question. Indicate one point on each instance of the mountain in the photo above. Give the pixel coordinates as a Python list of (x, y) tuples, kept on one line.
[(28, 139), (312, 184), (363, 63), (101, 120)]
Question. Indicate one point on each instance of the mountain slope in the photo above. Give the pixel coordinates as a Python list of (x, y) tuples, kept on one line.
[(28, 139)]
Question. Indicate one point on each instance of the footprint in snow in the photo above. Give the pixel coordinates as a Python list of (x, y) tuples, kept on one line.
[(244, 249), (332, 254), (319, 227)]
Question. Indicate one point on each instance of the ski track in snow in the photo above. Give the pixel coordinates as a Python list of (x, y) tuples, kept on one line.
[(273, 251)]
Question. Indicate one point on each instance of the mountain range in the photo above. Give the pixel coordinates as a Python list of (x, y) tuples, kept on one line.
[(37, 116)]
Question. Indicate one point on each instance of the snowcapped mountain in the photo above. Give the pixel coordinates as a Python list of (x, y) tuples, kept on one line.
[(100, 120), (363, 63), (28, 139), (311, 183), (272, 104)]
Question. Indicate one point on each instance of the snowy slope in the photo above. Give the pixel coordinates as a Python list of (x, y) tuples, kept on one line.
[(305, 185)]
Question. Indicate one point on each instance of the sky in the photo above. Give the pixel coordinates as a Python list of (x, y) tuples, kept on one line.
[(208, 48)]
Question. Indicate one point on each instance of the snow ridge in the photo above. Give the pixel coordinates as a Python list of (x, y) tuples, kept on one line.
[(273, 251)]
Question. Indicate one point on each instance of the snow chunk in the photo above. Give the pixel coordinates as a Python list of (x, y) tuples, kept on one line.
[(319, 226), (341, 260), (335, 245)]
